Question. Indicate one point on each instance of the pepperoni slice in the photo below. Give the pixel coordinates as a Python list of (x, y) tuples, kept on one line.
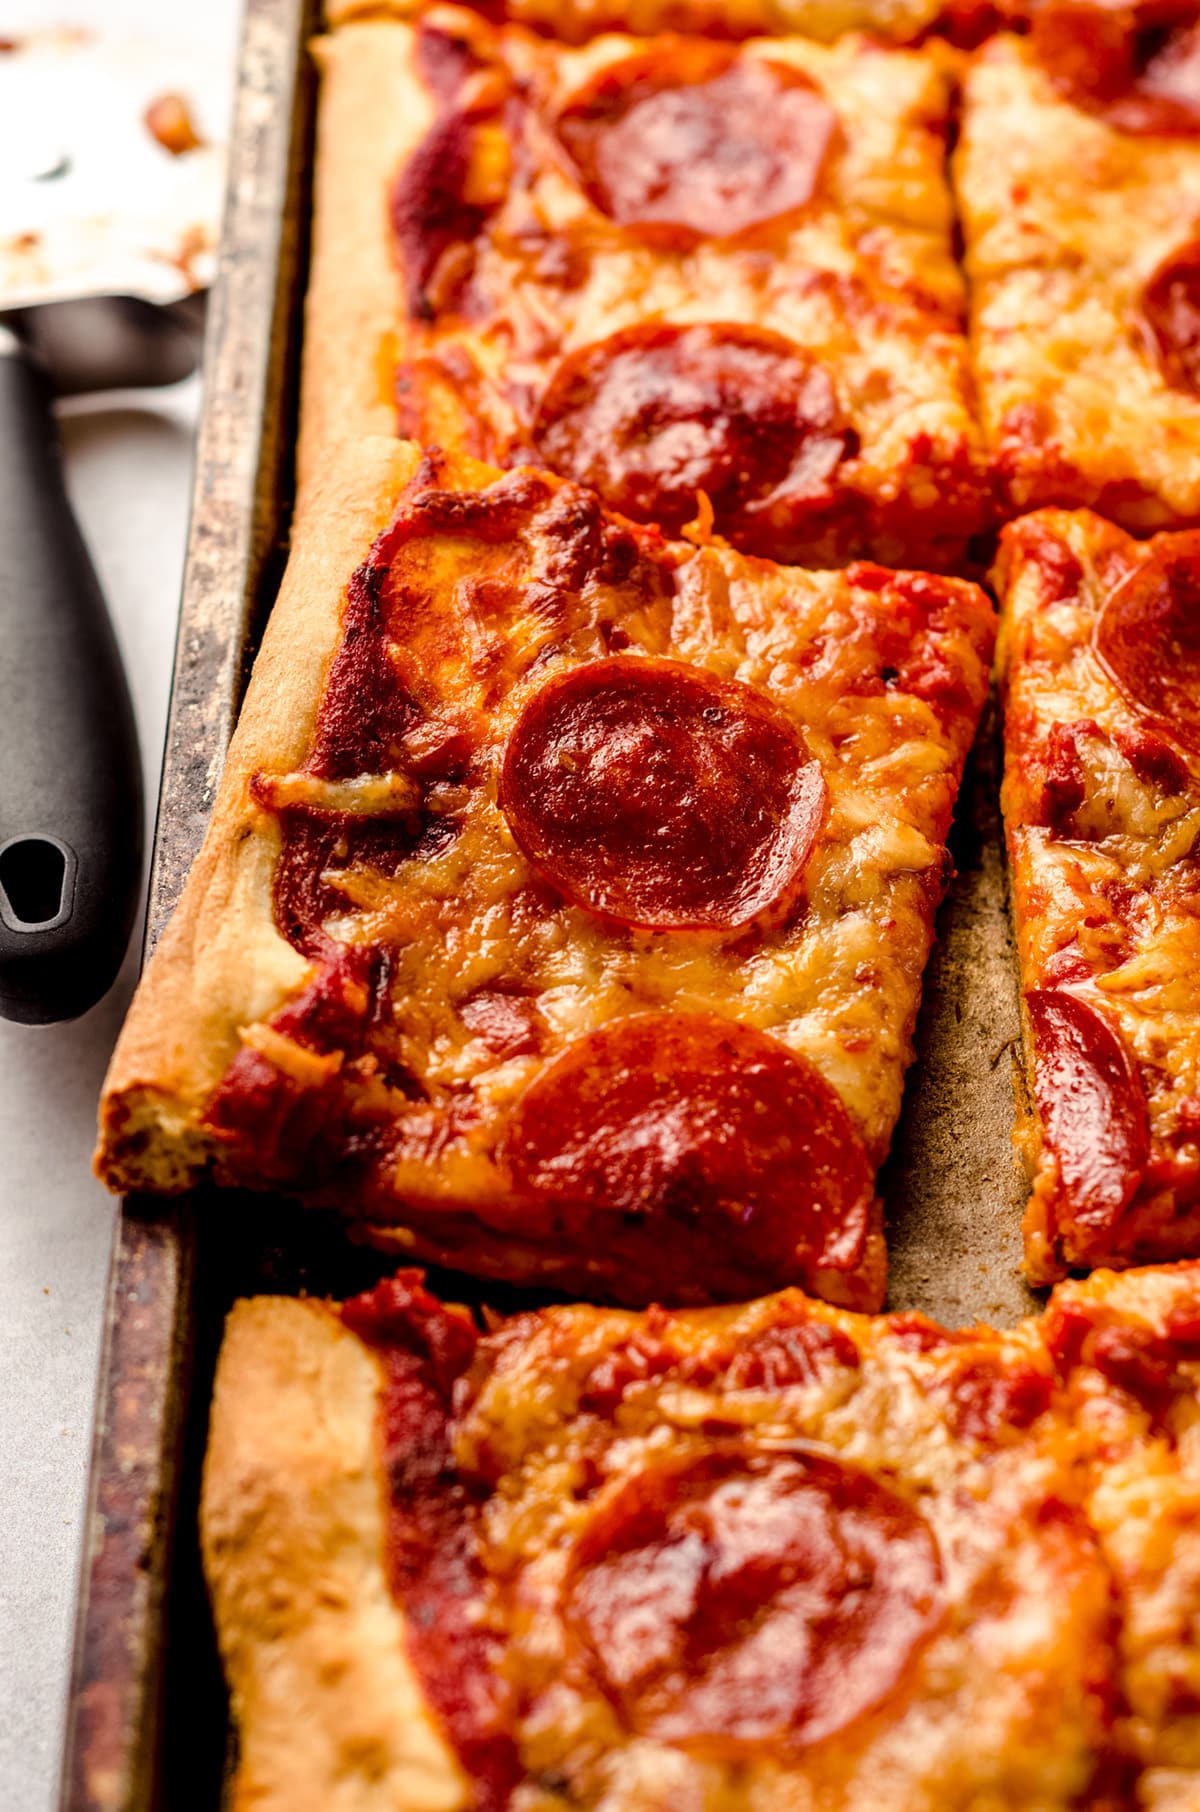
[(1092, 1105), (1148, 637), (749, 1599), (657, 413), (698, 141), (1171, 312), (658, 795), (691, 1118), (1142, 80)]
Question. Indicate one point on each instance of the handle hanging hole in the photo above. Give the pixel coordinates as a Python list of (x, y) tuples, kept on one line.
[(33, 883)]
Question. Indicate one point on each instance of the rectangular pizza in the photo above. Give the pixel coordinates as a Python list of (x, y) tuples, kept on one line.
[(565, 906), (715, 282), (761, 1559), (1100, 661), (1078, 182)]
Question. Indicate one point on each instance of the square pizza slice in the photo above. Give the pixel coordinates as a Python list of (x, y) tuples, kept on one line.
[(766, 1559), (711, 281), (1128, 1348), (565, 907), (1078, 179), (1100, 661)]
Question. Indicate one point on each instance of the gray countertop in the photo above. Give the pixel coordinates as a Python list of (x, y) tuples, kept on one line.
[(129, 461)]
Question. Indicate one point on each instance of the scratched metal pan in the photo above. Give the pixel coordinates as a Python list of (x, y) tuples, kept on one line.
[(147, 1727)]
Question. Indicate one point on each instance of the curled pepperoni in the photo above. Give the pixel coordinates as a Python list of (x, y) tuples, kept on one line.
[(657, 795), (749, 1599), (657, 413), (688, 1118), (1148, 637), (1171, 312), (698, 141), (1092, 1105)]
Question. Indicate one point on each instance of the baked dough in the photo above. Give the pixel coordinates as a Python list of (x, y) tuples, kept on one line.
[(1101, 802), (330, 1711), (649, 1519), (497, 271), (662, 1056)]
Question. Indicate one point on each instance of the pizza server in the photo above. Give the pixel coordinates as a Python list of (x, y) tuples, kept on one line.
[(108, 206)]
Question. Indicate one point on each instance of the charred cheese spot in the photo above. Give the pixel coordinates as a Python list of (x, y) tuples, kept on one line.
[(685, 1117), (746, 1599), (659, 796), (697, 142), (658, 414)]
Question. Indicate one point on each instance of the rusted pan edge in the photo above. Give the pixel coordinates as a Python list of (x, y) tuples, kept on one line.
[(112, 1736), (111, 1758)]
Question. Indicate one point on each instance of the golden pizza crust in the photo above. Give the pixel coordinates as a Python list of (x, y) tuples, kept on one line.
[(222, 963), (331, 1715), (373, 110)]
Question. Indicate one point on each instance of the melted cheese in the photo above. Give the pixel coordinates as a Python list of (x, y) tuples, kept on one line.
[(863, 279), (1066, 220), (1027, 1602), (1111, 886), (839, 983)]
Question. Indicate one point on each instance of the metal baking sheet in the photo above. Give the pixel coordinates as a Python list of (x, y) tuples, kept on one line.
[(147, 1725)]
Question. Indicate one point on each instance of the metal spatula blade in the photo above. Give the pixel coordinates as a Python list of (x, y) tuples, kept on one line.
[(110, 181)]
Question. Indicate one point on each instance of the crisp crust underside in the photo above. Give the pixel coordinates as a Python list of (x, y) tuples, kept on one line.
[(222, 963), (330, 1713)]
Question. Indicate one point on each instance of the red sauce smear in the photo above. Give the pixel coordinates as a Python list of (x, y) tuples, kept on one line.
[(1171, 313), (658, 413), (284, 1125), (657, 795), (701, 1121), (698, 141), (1092, 1105), (433, 1563), (1148, 637), (745, 1600), (1143, 80)]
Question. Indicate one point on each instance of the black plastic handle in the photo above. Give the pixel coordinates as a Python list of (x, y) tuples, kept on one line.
[(70, 777)]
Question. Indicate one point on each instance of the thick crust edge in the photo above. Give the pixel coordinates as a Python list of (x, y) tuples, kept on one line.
[(222, 963), (331, 1715), (373, 113)]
